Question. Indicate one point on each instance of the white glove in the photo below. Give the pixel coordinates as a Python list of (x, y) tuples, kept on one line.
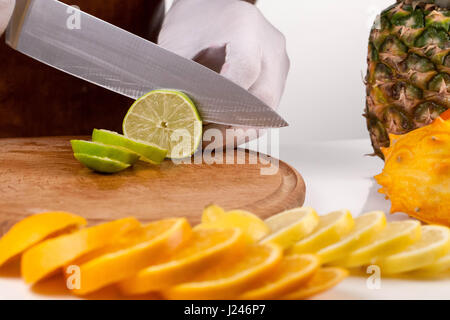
[(231, 37), (6, 9)]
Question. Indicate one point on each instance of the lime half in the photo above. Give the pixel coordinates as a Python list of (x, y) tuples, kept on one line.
[(168, 119), (148, 152), (99, 164)]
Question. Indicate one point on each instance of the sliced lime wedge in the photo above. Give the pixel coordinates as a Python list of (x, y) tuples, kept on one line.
[(99, 164), (102, 158), (104, 151), (148, 152), (168, 119)]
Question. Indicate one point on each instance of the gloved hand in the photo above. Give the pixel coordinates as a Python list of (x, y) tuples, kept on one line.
[(6, 9), (231, 37)]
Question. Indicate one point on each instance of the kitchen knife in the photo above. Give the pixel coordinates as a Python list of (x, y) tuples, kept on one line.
[(108, 56)]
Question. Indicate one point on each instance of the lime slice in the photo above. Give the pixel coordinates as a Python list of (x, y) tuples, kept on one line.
[(168, 119), (103, 165), (101, 150), (148, 152)]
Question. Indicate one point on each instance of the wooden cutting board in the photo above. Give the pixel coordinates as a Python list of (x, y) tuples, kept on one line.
[(41, 174)]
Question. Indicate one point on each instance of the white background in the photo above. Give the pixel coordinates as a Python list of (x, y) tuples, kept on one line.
[(327, 43)]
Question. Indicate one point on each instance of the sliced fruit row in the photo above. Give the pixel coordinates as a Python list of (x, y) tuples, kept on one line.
[(339, 240), (167, 257)]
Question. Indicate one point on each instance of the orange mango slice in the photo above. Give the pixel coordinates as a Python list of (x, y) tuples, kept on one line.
[(48, 256), (202, 251), (323, 280), (140, 249), (231, 277), (34, 229), (292, 272)]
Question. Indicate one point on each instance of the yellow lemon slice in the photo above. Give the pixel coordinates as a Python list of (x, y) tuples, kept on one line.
[(124, 259), (322, 281), (212, 213), (441, 265), (34, 229), (331, 229), (434, 244), (394, 238), (230, 278), (366, 226), (252, 226), (291, 226), (49, 256), (292, 272), (204, 249)]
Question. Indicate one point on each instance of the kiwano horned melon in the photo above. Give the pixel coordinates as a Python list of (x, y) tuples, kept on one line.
[(416, 177)]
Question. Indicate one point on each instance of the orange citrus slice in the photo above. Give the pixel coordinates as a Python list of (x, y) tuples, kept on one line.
[(323, 280), (231, 277), (199, 253), (253, 227), (139, 249), (34, 229), (292, 272), (47, 257)]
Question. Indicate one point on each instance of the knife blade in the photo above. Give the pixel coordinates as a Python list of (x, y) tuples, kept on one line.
[(120, 61)]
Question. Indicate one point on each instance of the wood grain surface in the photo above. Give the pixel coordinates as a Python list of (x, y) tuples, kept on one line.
[(41, 174), (38, 100)]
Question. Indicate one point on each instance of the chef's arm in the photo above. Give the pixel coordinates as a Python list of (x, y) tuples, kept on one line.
[(6, 9), (233, 38)]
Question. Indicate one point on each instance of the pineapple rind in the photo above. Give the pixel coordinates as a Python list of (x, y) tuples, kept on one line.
[(408, 78)]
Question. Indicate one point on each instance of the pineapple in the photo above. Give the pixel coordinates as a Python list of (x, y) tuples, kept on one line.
[(416, 176), (408, 78)]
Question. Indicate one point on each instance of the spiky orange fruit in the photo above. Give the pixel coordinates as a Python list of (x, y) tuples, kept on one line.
[(416, 176), (445, 115)]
